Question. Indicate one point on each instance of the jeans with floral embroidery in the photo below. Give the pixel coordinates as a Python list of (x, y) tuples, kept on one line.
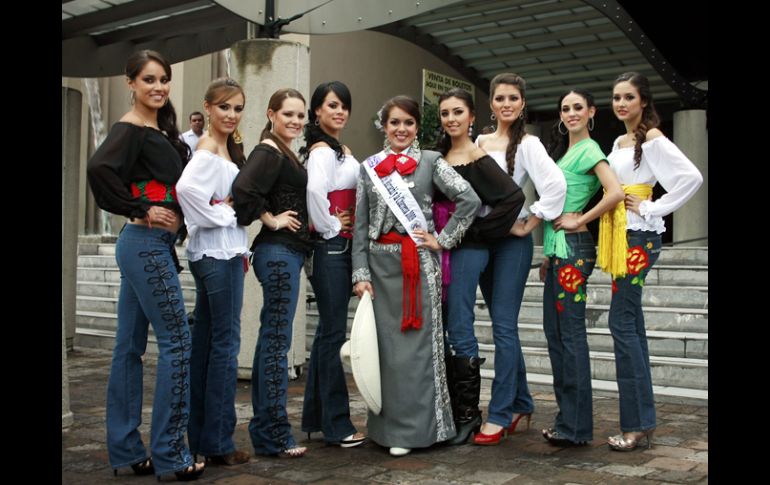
[(564, 323), (626, 322)]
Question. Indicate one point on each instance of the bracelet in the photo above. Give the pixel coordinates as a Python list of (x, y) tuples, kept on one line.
[(277, 224)]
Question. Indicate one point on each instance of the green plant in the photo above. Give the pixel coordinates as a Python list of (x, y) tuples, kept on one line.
[(430, 126)]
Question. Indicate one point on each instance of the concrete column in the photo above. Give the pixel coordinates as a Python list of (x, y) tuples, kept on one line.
[(691, 136), (262, 66), (71, 112), (529, 188), (70, 162)]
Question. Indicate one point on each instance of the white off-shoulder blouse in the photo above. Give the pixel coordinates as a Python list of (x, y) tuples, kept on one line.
[(326, 174), (663, 162), (532, 161), (211, 224)]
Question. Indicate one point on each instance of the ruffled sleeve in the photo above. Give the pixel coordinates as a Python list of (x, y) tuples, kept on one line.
[(675, 172), (549, 181), (253, 183), (108, 168), (320, 165), (195, 190)]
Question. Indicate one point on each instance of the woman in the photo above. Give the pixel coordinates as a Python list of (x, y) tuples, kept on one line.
[(571, 255), (331, 195), (217, 250), (416, 410), (271, 188), (522, 157), (640, 158), (503, 200), (132, 174)]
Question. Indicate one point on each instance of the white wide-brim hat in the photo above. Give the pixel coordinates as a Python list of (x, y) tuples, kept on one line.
[(362, 353)]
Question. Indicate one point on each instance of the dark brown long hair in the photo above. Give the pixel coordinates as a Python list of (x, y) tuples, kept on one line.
[(559, 141), (650, 118), (444, 143), (313, 132), (166, 115), (516, 130), (220, 90), (275, 104)]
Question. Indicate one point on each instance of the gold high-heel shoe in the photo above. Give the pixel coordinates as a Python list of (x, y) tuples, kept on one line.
[(621, 443)]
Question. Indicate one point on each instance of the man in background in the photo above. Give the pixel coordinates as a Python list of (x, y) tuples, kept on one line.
[(192, 135)]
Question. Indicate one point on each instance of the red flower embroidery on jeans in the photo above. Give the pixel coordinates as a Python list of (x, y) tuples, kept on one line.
[(637, 260), (570, 278)]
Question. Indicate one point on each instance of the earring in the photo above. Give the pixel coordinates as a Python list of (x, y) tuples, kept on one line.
[(317, 122), (558, 127), (470, 130), (521, 115), (208, 125), (386, 145), (591, 124), (132, 97), (237, 138), (492, 117), (270, 122)]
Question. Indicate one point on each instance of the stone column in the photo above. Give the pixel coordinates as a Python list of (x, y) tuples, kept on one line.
[(70, 134), (71, 104), (262, 66), (691, 136)]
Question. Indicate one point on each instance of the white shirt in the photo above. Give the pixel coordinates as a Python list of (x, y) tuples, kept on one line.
[(213, 228), (190, 138), (532, 161), (661, 162), (326, 174)]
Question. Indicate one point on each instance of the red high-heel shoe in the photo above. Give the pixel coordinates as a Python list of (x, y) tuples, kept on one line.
[(490, 439), (515, 422)]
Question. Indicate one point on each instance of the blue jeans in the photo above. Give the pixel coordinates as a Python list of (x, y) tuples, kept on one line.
[(277, 268), (326, 407), (466, 266), (626, 321), (502, 284), (216, 341), (564, 323), (149, 292)]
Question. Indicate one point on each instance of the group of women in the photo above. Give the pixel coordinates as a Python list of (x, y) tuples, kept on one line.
[(408, 225)]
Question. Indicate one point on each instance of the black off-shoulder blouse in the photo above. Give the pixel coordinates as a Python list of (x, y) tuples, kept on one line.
[(496, 189), (133, 154), (271, 181)]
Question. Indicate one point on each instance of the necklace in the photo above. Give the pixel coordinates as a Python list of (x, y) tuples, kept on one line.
[(154, 127)]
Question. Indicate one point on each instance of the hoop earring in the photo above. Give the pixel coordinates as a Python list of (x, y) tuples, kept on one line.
[(317, 122), (558, 127), (521, 115), (492, 117), (132, 97), (591, 124)]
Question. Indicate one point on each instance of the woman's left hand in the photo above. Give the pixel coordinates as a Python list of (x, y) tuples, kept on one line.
[(428, 240), (569, 222), (632, 203)]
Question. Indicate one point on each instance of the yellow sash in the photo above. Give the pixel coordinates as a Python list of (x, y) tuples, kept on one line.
[(613, 244)]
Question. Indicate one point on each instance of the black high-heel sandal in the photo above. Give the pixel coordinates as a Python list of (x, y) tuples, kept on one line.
[(190, 473), (142, 468)]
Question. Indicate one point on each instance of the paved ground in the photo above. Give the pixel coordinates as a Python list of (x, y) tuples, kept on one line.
[(679, 455)]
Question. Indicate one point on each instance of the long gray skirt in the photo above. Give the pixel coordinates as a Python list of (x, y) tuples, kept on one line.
[(416, 410)]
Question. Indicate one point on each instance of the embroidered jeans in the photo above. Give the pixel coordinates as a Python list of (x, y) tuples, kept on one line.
[(626, 321), (564, 311), (149, 293)]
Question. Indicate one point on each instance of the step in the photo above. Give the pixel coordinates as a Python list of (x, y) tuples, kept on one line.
[(112, 290), (112, 275), (666, 371), (105, 304), (670, 275), (660, 296), (663, 394)]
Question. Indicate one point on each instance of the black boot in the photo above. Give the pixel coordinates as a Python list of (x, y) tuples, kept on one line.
[(464, 392)]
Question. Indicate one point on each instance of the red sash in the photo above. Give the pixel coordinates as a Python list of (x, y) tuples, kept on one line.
[(412, 291), (342, 200)]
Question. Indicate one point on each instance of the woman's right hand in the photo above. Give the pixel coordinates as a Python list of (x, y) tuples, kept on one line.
[(544, 269), (346, 223), (363, 286), (161, 217)]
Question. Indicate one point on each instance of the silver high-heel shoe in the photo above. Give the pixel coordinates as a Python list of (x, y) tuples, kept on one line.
[(621, 443)]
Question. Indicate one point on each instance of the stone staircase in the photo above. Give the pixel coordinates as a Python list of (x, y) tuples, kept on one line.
[(675, 309), (676, 316)]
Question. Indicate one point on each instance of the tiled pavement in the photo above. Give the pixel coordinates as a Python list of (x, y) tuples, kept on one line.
[(679, 454)]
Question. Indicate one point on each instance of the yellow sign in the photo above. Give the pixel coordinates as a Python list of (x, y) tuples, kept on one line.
[(434, 84)]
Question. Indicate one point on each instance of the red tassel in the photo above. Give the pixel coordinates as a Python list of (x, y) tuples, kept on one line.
[(411, 293)]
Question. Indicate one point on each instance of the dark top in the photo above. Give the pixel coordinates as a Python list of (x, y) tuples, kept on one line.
[(271, 181), (132, 154), (496, 189)]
